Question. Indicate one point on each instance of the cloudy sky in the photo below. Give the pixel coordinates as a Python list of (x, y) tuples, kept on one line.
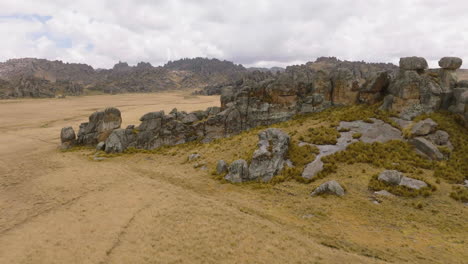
[(250, 32)]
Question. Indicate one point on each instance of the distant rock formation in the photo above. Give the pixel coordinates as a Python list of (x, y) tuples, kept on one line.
[(31, 77)]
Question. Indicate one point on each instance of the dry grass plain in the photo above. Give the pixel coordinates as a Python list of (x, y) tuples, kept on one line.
[(64, 207)]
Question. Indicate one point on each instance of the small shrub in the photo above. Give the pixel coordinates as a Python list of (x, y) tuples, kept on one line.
[(344, 129), (357, 135), (321, 136)]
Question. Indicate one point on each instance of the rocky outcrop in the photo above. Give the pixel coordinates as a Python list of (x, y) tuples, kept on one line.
[(221, 167), (100, 126), (425, 148), (330, 187), (269, 158), (393, 177), (416, 90)]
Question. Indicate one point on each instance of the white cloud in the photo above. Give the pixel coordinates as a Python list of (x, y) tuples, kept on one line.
[(251, 32)]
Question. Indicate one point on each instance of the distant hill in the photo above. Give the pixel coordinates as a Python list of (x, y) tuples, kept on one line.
[(31, 77)]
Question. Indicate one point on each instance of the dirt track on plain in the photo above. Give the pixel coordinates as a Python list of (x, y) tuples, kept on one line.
[(66, 208)]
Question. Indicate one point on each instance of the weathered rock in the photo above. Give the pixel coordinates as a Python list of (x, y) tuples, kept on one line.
[(313, 168), (412, 183), (440, 138), (100, 126), (101, 146), (378, 131), (426, 148), (330, 187), (67, 137), (384, 193), (119, 140), (238, 172), (194, 156), (413, 63), (424, 127), (268, 159), (451, 63), (391, 177), (221, 167)]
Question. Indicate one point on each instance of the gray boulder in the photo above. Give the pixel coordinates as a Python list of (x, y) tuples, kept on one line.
[(67, 137), (221, 167), (439, 137), (330, 187), (268, 159), (189, 119), (119, 140), (238, 172), (463, 84), (424, 127), (384, 193), (450, 63), (67, 134), (425, 148), (391, 177), (412, 183), (100, 126), (413, 63)]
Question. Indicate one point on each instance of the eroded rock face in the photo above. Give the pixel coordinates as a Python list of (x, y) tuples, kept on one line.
[(100, 126), (238, 172), (119, 140), (330, 187), (270, 156)]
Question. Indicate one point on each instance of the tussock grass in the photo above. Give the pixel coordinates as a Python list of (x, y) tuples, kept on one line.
[(320, 136)]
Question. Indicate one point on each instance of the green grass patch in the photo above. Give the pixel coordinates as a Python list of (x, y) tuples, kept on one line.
[(321, 136), (300, 157)]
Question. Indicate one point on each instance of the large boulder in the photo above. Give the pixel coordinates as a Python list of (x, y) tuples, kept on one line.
[(425, 148), (330, 187), (67, 137), (391, 177), (439, 137), (424, 127), (119, 140), (269, 158), (413, 63), (238, 172), (100, 126), (450, 63)]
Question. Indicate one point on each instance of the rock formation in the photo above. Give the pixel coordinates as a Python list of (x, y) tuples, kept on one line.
[(393, 177), (269, 158)]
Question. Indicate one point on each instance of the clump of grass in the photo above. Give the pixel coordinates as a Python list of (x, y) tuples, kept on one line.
[(77, 148), (357, 135), (321, 136), (376, 185), (459, 193), (300, 157), (368, 120), (343, 129)]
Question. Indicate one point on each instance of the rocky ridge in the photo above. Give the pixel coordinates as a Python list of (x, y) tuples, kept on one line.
[(31, 77)]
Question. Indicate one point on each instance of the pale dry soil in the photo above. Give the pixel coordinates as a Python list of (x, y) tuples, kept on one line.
[(64, 207)]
